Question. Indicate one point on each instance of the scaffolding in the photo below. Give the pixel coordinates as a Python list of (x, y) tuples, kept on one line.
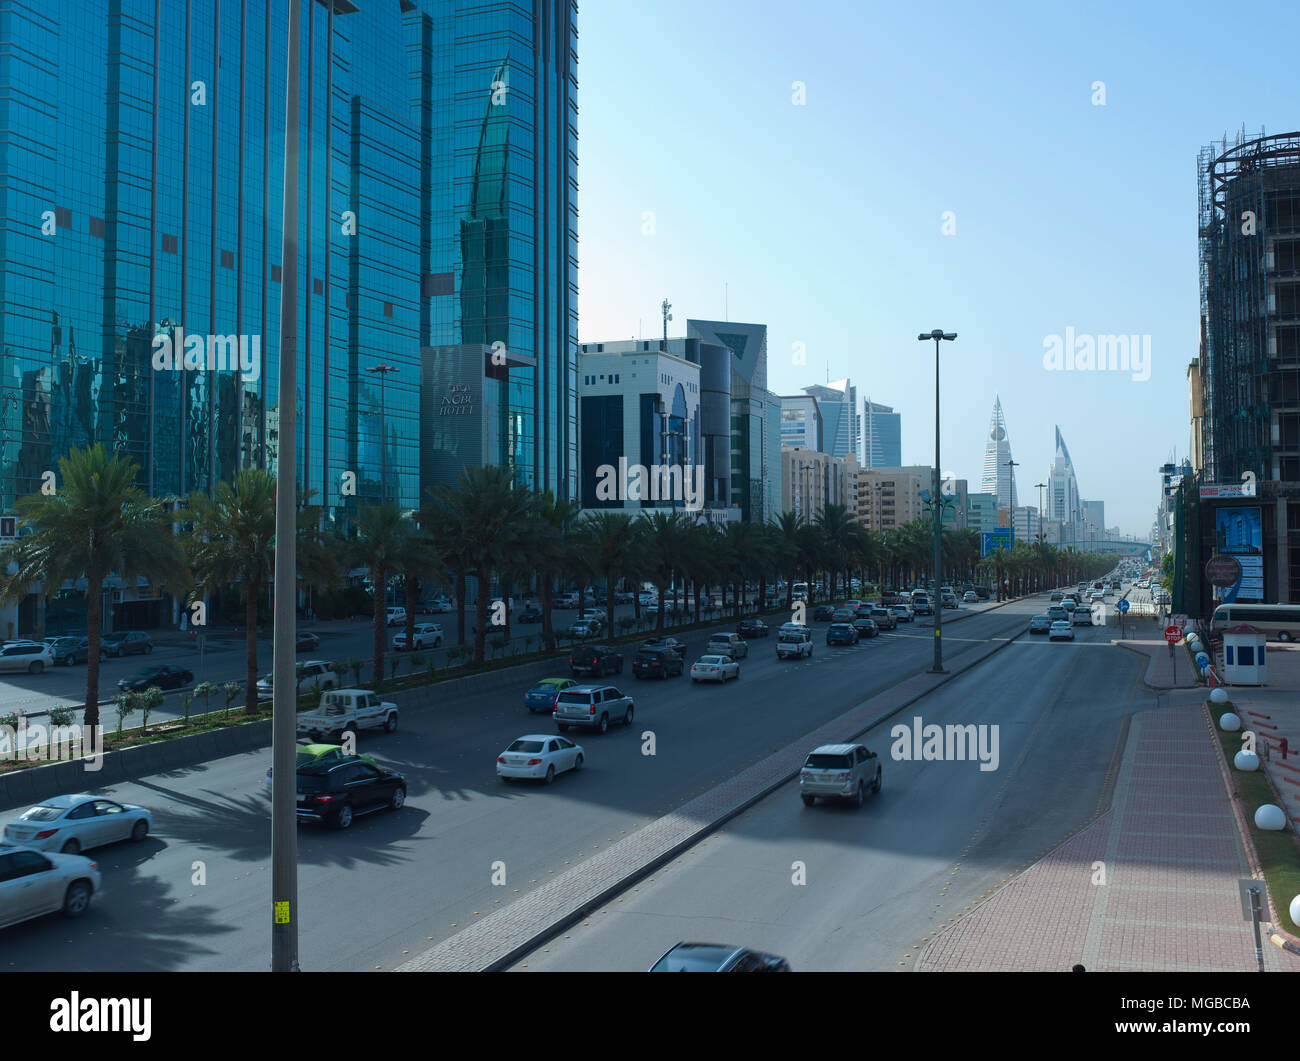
[(1249, 240)]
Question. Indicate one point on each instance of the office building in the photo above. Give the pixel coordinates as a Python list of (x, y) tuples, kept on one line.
[(1062, 497), (889, 498), (882, 436), (841, 422), (811, 480), (982, 512), (801, 422)]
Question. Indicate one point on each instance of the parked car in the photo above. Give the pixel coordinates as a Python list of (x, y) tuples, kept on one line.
[(1061, 631), (752, 628), (841, 634), (164, 676), (884, 619), (595, 660), (306, 641), (71, 824), (530, 614), (839, 771), (718, 958), (335, 792), (539, 757), (344, 710), (656, 663), (307, 673), (35, 883), (584, 628), (424, 635), (1040, 624), (70, 650), (396, 616), (794, 641), (672, 643), (542, 696), (436, 606), (823, 613), (714, 668), (983, 592), (724, 644), (126, 643), (865, 626), (593, 706)]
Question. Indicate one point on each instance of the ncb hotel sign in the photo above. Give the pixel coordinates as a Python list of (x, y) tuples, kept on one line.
[(457, 400)]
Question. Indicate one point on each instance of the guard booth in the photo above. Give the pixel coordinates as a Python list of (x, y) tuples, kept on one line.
[(1244, 656)]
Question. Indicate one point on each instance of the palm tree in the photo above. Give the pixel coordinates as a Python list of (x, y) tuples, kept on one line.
[(419, 561), (787, 528), (834, 522), (383, 544), (612, 537), (96, 523), (551, 529), (664, 533)]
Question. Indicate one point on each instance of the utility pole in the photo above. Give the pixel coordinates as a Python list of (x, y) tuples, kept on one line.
[(937, 334), (665, 307), (1040, 487)]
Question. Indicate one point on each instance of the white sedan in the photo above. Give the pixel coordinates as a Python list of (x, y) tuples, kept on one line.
[(71, 824), (539, 756), (1061, 629), (714, 669), (33, 883)]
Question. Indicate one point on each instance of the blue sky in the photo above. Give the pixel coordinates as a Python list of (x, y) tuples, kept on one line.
[(824, 220)]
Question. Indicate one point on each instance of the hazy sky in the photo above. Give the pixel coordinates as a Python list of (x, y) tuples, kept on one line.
[(824, 220)]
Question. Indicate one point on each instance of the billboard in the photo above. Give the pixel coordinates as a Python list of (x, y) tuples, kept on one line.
[(1229, 490), (991, 540), (1239, 533)]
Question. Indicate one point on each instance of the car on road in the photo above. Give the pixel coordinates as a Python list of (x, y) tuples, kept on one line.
[(306, 641), (718, 958), (883, 618), (752, 628), (126, 643), (1056, 613), (865, 626), (823, 613), (1040, 624), (317, 753), (308, 673), (424, 635), (437, 606), (794, 641), (843, 615), (841, 634), (983, 592), (921, 604), (725, 644), (656, 663), (164, 676), (1081, 616), (970, 597), (396, 616), (714, 668), (336, 791), (29, 656), (1056, 595), (1061, 631), (672, 643), (839, 771), (541, 697), (595, 661), (593, 706), (584, 628), (949, 600), (539, 757), (530, 614), (71, 824), (35, 883), (70, 650), (347, 710), (903, 612)]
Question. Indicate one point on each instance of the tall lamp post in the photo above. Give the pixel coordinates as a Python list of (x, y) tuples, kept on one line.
[(284, 687), (382, 372), (1011, 494), (937, 335), (1040, 487)]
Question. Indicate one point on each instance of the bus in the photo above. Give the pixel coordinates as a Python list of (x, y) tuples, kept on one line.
[(1277, 622)]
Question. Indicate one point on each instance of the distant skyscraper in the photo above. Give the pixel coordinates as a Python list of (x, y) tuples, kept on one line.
[(801, 422), (841, 424), (999, 479), (882, 436), (1063, 491)]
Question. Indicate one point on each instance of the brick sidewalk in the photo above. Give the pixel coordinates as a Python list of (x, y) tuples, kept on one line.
[(1172, 855), (512, 931)]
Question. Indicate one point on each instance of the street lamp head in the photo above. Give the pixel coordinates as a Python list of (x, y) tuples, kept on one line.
[(950, 336)]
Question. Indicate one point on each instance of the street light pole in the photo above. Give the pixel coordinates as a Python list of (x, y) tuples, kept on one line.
[(937, 335), (1011, 498), (1040, 487)]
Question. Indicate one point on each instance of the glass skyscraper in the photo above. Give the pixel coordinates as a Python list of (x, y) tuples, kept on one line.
[(141, 184)]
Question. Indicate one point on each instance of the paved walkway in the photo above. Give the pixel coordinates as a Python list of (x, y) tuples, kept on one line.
[(1171, 843)]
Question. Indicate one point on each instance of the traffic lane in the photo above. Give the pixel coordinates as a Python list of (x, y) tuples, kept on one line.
[(878, 881), (217, 814)]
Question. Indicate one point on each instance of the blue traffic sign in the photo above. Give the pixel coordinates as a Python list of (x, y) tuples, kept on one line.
[(1121, 606)]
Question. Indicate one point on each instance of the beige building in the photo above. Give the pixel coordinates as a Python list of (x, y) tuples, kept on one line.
[(810, 480), (888, 499)]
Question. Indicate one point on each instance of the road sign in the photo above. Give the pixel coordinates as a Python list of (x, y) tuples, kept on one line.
[(1173, 634), (1121, 606)]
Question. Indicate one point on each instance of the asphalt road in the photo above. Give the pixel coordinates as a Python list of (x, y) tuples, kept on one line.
[(396, 882), (939, 835)]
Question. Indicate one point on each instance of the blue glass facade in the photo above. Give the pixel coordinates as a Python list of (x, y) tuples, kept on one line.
[(141, 185)]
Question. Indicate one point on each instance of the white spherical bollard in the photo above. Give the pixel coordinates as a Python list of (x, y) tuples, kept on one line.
[(1229, 722), (1245, 760), (1270, 816), (1219, 696), (1295, 910)]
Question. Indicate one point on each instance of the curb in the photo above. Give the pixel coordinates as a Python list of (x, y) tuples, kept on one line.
[(586, 905)]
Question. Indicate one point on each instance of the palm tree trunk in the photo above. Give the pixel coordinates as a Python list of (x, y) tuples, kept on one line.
[(380, 623), (548, 628), (252, 590), (412, 600), (95, 635), (460, 606), (663, 607), (480, 618), (609, 600)]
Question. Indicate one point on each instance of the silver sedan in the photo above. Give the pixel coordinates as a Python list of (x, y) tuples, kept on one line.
[(71, 824), (714, 669)]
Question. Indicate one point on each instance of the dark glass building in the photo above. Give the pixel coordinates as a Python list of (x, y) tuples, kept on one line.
[(141, 183)]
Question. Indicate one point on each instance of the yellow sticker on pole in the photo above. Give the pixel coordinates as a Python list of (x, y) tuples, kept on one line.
[(282, 912)]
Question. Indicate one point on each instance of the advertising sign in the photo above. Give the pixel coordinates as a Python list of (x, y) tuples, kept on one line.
[(1222, 570), (1239, 532), (1229, 490)]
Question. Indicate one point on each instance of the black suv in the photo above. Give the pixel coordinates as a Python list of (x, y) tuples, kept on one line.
[(656, 663), (672, 643), (335, 791), (126, 643), (595, 660), (823, 613), (752, 628)]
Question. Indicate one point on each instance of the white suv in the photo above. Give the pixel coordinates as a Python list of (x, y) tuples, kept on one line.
[(396, 616), (310, 672), (839, 771), (426, 635), (30, 656)]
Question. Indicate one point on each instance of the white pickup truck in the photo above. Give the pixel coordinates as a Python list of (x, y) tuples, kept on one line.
[(347, 710)]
